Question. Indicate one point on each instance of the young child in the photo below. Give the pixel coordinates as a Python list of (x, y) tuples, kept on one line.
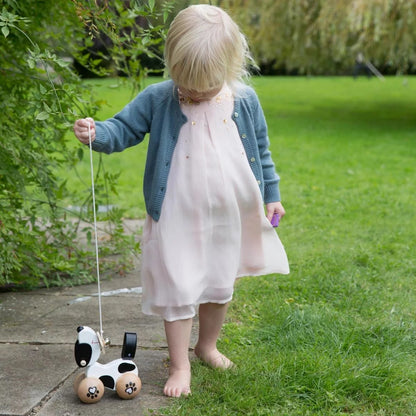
[(208, 173)]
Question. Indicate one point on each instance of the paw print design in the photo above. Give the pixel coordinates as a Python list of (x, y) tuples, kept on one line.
[(93, 392), (130, 388)]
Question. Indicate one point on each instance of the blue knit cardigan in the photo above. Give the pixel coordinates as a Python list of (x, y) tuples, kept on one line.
[(156, 110)]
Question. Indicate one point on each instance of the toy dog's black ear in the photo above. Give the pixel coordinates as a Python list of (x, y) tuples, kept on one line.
[(129, 346), (83, 354)]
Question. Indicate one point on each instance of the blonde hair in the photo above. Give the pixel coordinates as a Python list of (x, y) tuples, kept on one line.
[(205, 49)]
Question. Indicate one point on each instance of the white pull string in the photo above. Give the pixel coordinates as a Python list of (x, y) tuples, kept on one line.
[(95, 233)]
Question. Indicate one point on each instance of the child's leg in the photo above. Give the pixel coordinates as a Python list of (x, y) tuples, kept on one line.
[(178, 334), (211, 319)]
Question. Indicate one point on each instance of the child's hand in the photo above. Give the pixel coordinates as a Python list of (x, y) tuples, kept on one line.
[(81, 129), (275, 208)]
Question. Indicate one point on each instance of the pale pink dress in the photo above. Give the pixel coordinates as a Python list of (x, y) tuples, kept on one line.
[(212, 227)]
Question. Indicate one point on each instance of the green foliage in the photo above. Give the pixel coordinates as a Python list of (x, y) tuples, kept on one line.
[(326, 36), (38, 92), (41, 97), (123, 39)]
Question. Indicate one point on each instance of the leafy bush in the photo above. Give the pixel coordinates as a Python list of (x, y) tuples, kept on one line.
[(42, 96)]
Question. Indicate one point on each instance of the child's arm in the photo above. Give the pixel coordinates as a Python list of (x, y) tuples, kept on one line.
[(270, 176), (127, 128)]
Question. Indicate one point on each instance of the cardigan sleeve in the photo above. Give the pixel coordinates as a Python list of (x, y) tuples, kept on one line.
[(127, 128), (270, 176)]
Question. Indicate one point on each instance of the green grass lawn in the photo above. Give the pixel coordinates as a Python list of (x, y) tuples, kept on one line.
[(337, 335)]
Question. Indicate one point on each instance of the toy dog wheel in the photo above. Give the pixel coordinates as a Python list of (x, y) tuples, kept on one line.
[(128, 386), (90, 390)]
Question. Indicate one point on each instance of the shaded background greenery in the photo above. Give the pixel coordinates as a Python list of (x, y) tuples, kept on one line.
[(324, 37), (316, 36)]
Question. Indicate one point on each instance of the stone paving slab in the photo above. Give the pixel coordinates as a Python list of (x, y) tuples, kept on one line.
[(28, 373), (152, 371), (52, 315), (37, 336), (48, 376), (50, 319)]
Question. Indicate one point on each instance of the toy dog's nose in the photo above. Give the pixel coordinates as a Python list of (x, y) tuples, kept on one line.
[(80, 328)]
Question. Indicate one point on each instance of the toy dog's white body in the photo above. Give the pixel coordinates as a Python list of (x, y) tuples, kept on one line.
[(110, 373)]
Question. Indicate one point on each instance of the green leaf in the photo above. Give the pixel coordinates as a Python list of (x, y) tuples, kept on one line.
[(47, 108), (31, 63), (80, 153), (165, 15), (43, 115), (5, 30), (62, 63)]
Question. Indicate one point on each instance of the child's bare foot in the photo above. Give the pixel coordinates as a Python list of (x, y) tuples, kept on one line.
[(214, 358), (179, 382)]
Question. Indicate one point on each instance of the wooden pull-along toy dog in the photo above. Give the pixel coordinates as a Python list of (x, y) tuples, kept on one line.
[(120, 375)]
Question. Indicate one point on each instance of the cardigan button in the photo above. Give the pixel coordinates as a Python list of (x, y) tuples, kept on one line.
[(244, 136), (252, 159), (259, 182), (236, 114)]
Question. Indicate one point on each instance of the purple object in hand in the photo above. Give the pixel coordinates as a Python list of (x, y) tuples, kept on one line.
[(275, 220)]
